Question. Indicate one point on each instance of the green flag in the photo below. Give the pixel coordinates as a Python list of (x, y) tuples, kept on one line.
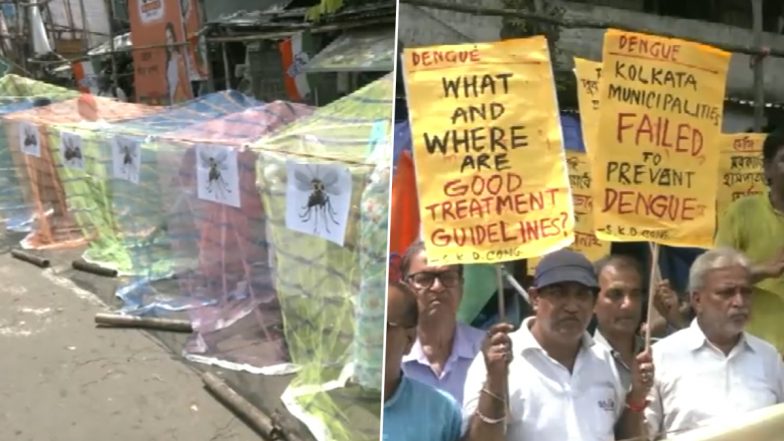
[(478, 287)]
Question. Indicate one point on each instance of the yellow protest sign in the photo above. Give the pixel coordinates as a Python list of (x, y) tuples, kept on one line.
[(588, 74), (660, 118), (740, 168), (585, 240), (488, 151)]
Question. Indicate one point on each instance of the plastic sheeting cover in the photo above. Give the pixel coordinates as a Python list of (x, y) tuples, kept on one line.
[(55, 225), (19, 93), (332, 296), (220, 251), (124, 218)]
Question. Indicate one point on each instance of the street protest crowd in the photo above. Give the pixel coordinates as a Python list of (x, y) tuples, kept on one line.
[(582, 366)]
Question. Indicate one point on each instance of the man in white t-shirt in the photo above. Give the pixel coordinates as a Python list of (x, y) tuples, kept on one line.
[(561, 385), (713, 370)]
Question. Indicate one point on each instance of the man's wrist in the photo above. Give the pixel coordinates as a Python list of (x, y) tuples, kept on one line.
[(495, 384)]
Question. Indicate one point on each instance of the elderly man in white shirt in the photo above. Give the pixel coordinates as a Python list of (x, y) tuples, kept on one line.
[(713, 369), (561, 386)]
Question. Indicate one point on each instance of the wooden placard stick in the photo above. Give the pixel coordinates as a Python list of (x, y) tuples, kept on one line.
[(651, 290)]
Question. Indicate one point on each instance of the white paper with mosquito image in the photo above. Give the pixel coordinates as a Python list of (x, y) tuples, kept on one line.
[(217, 175), (29, 139), (318, 199), (71, 151), (126, 158)]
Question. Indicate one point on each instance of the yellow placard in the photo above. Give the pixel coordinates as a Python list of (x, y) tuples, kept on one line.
[(740, 168), (660, 119), (588, 74), (488, 151), (585, 240)]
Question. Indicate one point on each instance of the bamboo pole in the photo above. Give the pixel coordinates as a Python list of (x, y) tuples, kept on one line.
[(249, 413), (651, 289), (115, 84), (88, 267), (30, 258), (131, 321)]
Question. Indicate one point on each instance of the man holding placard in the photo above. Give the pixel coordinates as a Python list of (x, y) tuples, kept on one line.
[(755, 225), (713, 370), (618, 311), (560, 385)]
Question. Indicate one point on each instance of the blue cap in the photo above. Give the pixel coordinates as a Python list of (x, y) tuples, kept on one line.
[(565, 266)]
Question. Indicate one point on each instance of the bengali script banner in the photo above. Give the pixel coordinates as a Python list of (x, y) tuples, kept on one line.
[(740, 168), (585, 240), (660, 119), (490, 165), (588, 74)]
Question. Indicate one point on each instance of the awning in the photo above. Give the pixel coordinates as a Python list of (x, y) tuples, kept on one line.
[(121, 43), (366, 50)]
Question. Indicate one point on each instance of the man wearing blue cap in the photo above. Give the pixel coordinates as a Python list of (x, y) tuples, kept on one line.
[(562, 386)]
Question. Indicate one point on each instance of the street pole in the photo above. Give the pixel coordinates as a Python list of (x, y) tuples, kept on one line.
[(759, 72), (110, 8)]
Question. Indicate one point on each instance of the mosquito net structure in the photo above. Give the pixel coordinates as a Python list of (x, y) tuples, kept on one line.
[(216, 228), (325, 199), (40, 152), (116, 202), (19, 93)]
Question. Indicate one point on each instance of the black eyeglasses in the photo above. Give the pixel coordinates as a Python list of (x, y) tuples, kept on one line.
[(426, 279)]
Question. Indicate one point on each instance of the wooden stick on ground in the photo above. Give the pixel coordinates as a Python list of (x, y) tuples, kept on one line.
[(130, 321), (87, 267), (246, 411), (31, 258)]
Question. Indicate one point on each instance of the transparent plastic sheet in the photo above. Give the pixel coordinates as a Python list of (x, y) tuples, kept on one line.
[(220, 251), (319, 283), (19, 93), (55, 225), (123, 218)]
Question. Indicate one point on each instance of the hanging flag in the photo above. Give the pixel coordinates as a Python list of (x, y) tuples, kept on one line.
[(86, 79), (295, 58)]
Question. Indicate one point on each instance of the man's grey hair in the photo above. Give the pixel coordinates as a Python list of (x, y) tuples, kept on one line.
[(719, 258)]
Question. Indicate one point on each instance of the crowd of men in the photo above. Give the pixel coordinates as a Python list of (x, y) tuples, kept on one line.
[(551, 379)]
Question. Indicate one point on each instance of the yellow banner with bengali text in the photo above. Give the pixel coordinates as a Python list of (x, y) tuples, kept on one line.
[(740, 168), (490, 168), (588, 73), (585, 240), (660, 117)]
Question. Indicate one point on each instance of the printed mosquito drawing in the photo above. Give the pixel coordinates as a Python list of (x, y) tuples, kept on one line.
[(73, 150), (128, 151), (216, 164), (30, 138), (319, 207)]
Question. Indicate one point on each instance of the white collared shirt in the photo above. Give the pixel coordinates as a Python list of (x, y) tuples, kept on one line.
[(695, 382), (624, 371), (546, 401)]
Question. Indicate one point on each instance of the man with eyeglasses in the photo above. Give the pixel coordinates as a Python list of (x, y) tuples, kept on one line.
[(713, 370), (413, 410), (444, 347), (559, 385)]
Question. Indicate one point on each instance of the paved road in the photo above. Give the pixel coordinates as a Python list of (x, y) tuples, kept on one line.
[(62, 379)]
